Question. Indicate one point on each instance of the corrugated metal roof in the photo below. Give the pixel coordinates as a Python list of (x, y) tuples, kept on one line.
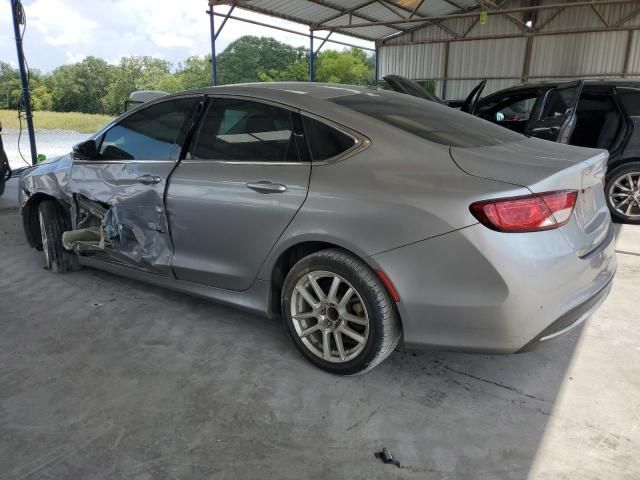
[(319, 13), (576, 42)]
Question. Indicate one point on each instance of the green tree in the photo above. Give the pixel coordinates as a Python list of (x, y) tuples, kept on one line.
[(298, 71), (81, 86), (10, 89), (138, 73), (41, 98), (195, 72), (244, 59), (350, 66)]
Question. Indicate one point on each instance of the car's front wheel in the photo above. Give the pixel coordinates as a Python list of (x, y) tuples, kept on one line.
[(623, 192), (339, 313), (53, 224)]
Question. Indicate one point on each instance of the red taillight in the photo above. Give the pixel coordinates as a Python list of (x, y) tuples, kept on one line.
[(529, 213)]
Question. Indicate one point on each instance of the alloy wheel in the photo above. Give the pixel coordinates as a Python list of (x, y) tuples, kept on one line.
[(329, 316), (624, 195)]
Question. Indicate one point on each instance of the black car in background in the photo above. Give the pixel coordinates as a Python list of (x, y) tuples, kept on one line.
[(593, 113)]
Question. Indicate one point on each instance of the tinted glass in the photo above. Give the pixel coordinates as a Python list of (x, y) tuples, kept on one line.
[(560, 102), (428, 120), (153, 133), (631, 100), (246, 131), (324, 141), (598, 121), (509, 109)]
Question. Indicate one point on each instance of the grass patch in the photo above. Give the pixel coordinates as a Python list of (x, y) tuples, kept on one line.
[(79, 122)]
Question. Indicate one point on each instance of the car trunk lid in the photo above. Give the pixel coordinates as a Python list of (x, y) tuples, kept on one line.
[(542, 166)]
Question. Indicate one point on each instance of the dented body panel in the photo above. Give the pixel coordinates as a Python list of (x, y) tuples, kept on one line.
[(136, 221)]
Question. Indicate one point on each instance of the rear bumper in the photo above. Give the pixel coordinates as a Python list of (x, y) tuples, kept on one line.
[(484, 291), (570, 320)]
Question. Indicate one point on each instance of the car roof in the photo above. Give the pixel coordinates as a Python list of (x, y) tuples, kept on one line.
[(587, 83), (303, 95), (317, 90), (308, 96)]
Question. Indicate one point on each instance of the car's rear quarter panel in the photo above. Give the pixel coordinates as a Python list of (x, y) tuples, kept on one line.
[(480, 290)]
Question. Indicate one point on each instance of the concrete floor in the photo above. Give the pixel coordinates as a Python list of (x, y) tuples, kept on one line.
[(102, 377)]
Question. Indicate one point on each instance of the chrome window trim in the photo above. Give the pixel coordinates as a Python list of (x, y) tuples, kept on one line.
[(245, 98), (128, 113), (236, 96), (244, 162), (123, 116), (102, 162)]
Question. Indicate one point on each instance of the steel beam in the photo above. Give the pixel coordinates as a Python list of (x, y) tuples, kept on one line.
[(224, 21), (324, 40), (527, 59), (505, 11), (376, 72), (212, 30), (445, 71), (312, 58), (627, 54), (513, 35), (16, 8), (294, 32)]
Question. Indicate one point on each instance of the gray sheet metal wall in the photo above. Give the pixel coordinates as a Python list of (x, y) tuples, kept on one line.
[(502, 61)]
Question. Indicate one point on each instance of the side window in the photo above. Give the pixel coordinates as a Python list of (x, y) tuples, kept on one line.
[(512, 111), (153, 133), (630, 98), (324, 141), (559, 103), (243, 130)]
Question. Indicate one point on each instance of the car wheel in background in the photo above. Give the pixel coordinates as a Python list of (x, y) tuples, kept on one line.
[(622, 191), (338, 313)]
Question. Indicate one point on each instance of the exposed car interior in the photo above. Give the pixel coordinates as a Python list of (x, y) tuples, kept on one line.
[(599, 121), (511, 112)]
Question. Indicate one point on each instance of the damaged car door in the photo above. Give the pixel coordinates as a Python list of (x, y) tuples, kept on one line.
[(243, 180), (119, 186)]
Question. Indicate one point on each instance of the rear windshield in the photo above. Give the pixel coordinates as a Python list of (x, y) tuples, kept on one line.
[(436, 123)]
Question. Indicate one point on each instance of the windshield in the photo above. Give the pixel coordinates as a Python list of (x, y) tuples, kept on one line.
[(428, 120)]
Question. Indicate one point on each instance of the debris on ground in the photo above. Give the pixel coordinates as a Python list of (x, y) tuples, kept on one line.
[(387, 458)]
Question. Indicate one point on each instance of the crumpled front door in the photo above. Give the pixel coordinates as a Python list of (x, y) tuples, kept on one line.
[(134, 225)]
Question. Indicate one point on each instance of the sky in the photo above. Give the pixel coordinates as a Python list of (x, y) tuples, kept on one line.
[(65, 31)]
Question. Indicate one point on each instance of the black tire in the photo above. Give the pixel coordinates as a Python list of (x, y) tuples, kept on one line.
[(383, 324), (4, 169), (53, 223), (617, 174)]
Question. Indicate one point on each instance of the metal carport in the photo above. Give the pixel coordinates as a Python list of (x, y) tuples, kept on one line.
[(454, 43)]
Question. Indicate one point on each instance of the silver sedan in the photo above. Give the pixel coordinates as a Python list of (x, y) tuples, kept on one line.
[(362, 217)]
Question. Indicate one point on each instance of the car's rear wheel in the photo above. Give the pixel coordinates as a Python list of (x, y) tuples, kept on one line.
[(52, 225), (623, 193), (338, 313)]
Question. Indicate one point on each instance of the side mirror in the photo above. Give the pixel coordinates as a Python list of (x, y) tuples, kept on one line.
[(86, 150)]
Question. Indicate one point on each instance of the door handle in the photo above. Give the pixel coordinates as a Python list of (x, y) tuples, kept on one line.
[(148, 179), (264, 186)]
